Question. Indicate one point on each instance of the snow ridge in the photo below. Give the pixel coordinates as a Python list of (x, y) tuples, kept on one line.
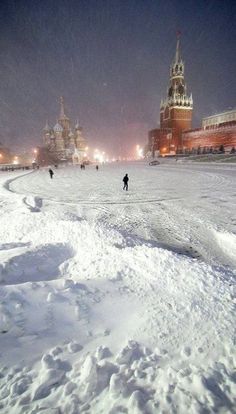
[(118, 308)]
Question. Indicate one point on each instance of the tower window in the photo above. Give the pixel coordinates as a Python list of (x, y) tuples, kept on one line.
[(170, 92), (181, 89)]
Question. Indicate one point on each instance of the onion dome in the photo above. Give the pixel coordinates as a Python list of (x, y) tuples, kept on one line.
[(57, 128), (47, 127)]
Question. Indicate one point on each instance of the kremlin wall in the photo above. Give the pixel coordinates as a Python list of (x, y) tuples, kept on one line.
[(216, 131), (175, 135)]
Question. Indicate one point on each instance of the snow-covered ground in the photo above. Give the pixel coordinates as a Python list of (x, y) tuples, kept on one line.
[(118, 302)]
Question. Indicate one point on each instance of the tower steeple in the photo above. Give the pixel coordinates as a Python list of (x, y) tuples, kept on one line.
[(63, 120), (47, 127), (46, 134), (62, 111), (177, 53), (176, 109), (177, 90), (77, 124)]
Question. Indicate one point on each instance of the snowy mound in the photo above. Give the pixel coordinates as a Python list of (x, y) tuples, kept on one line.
[(113, 302)]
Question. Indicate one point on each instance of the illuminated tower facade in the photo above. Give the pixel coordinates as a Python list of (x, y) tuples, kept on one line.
[(176, 110)]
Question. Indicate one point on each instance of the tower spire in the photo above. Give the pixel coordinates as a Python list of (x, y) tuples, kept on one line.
[(177, 53), (47, 127), (62, 112), (77, 124), (63, 120)]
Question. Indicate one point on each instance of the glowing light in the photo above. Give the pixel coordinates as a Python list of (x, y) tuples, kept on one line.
[(99, 156), (139, 152)]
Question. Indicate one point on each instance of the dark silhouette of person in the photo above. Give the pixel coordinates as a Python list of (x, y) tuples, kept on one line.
[(50, 172), (96, 167), (125, 181)]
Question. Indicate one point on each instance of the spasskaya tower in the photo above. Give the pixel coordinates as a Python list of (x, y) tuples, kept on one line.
[(176, 109)]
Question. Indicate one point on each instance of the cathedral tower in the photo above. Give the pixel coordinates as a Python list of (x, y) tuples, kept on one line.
[(63, 120), (47, 134), (176, 109)]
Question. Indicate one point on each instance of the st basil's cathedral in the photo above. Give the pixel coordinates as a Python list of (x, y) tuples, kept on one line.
[(62, 142)]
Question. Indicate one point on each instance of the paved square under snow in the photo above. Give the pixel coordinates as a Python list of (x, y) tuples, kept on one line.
[(118, 302)]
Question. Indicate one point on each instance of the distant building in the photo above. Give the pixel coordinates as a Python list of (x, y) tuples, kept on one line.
[(62, 141), (227, 118), (175, 134)]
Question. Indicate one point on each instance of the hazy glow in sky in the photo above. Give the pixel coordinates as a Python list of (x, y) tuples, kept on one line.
[(110, 60)]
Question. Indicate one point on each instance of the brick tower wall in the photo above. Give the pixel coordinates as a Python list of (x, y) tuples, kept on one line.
[(181, 119), (175, 120)]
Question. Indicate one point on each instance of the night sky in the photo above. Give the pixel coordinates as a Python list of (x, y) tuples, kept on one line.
[(110, 60)]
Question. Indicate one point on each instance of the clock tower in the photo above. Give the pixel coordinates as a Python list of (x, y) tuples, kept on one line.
[(176, 109)]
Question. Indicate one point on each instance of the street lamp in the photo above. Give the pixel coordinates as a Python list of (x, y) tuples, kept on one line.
[(16, 160), (139, 152)]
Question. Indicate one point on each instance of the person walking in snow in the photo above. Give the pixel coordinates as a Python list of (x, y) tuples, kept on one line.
[(97, 167), (125, 181), (50, 172)]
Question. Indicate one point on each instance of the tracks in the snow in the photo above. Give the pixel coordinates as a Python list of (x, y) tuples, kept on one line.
[(33, 203), (180, 219)]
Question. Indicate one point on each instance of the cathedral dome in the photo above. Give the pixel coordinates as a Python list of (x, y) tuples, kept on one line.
[(47, 128), (77, 126), (57, 128)]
